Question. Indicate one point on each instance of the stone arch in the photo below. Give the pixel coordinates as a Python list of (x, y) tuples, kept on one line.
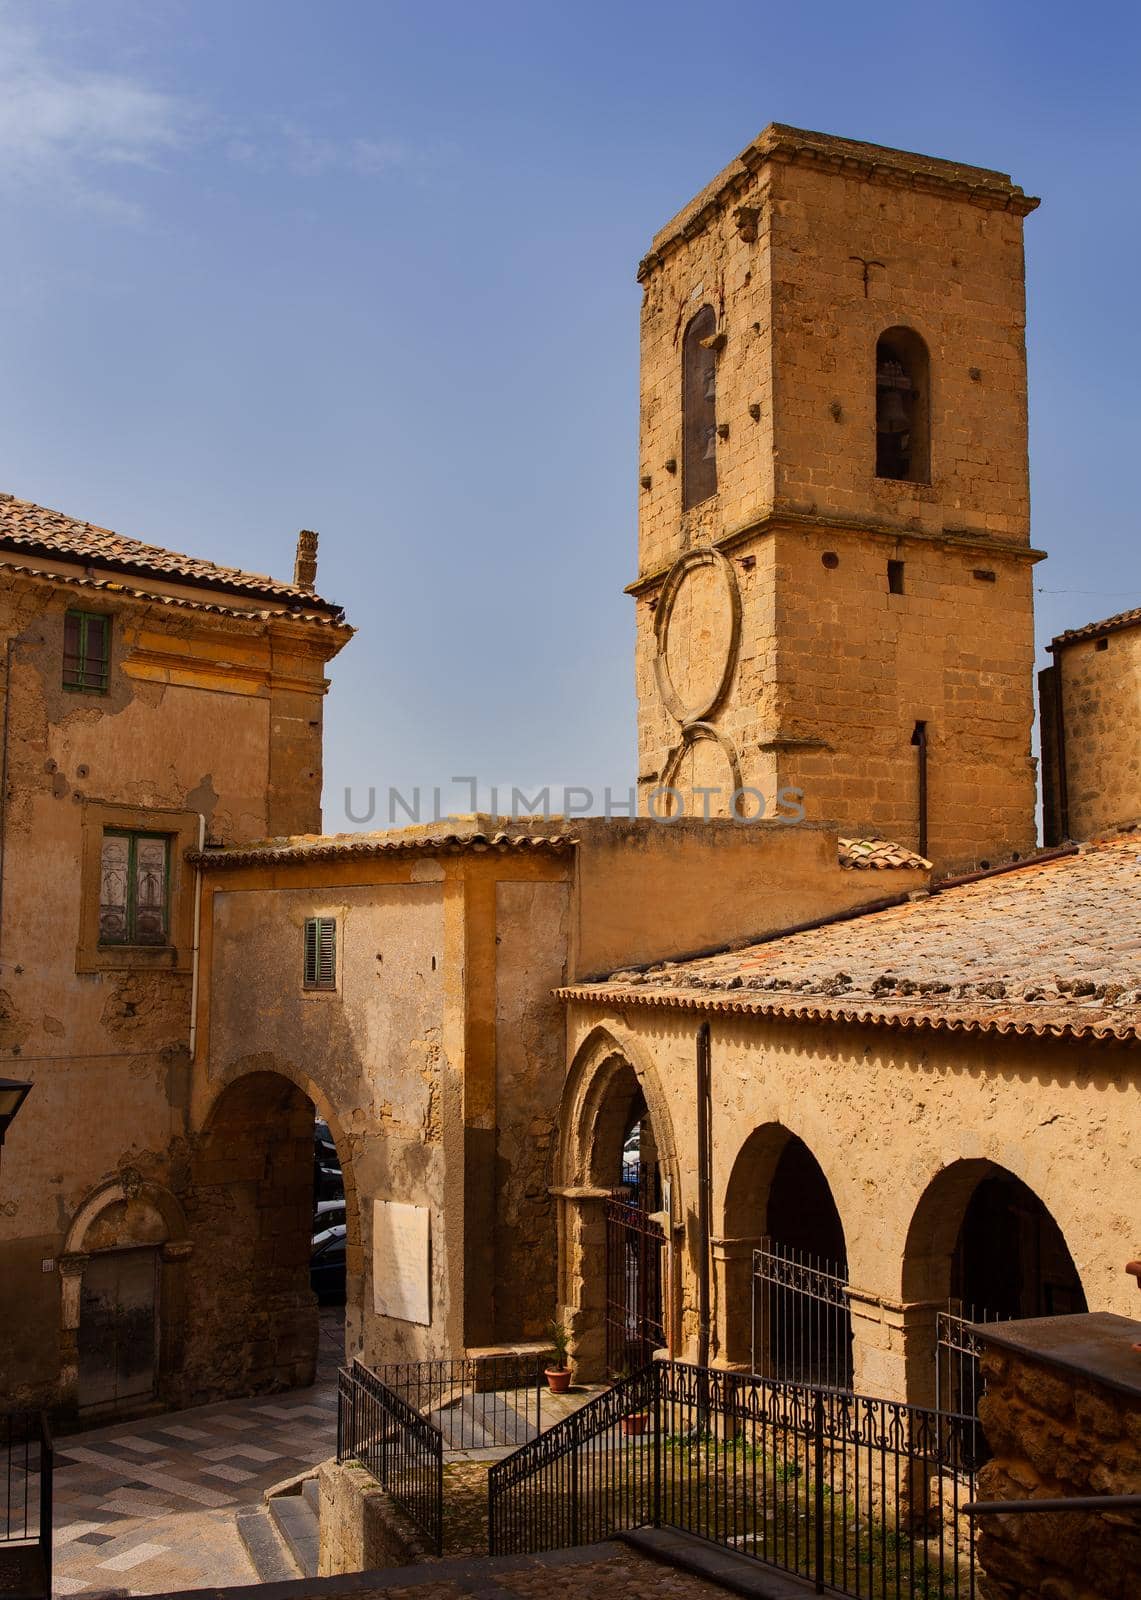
[(977, 1201), (729, 802), (903, 406), (127, 1218), (600, 1066), (253, 1322), (779, 1193), (611, 1083), (936, 1271), (699, 408)]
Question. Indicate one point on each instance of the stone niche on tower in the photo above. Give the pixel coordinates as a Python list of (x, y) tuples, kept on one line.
[(834, 602)]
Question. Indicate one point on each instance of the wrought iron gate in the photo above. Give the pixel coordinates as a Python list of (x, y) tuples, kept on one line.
[(802, 1323), (958, 1381), (635, 1321)]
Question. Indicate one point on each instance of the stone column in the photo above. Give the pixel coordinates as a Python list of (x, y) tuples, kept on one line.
[(71, 1268), (733, 1300), (582, 1277)]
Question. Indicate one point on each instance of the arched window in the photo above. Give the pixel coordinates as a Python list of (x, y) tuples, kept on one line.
[(903, 410), (699, 409)]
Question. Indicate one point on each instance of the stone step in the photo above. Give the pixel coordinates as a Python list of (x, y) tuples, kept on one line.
[(267, 1550), (296, 1519)]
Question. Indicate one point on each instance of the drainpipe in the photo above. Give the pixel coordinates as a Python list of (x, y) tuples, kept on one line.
[(919, 740), (1060, 742), (704, 1192), (197, 939)]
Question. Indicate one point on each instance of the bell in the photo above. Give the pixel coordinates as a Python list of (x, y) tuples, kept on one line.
[(891, 411)]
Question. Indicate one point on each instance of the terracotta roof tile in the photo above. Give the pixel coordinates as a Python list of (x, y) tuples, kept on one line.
[(340, 846), (1094, 630), (1052, 947), (877, 854), (35, 529)]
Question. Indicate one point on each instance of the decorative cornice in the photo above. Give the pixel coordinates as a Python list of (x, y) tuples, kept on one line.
[(770, 522), (849, 158)]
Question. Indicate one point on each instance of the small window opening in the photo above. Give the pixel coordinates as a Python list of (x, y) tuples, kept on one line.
[(902, 407), (1102, 644), (895, 577), (134, 888), (320, 953), (86, 651), (699, 409)]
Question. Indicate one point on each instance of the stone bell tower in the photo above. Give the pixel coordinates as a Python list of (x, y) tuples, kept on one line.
[(834, 581)]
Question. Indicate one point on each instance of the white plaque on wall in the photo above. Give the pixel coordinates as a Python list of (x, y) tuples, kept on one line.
[(401, 1261)]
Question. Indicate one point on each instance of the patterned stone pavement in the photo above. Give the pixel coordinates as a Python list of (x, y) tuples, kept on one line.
[(149, 1506)]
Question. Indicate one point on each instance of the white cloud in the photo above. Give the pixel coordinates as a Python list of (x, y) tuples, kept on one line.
[(309, 155), (68, 125)]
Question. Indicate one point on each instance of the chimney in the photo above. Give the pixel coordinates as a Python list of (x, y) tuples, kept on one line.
[(305, 566)]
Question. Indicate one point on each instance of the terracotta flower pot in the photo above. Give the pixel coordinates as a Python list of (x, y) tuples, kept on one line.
[(558, 1379), (637, 1422)]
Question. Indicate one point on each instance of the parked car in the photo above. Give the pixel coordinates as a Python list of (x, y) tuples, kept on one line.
[(327, 1265), (327, 1214)]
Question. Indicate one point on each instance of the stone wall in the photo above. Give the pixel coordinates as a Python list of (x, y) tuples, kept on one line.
[(193, 717), (1061, 1422), (360, 1528), (903, 1127), (1099, 721), (773, 649)]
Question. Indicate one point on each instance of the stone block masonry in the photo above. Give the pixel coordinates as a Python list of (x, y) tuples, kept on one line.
[(1062, 1413)]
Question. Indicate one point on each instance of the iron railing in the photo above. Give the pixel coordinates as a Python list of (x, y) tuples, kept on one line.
[(864, 1496), (801, 1319), (635, 1319), (26, 1467), (402, 1450), (476, 1402), (958, 1378)]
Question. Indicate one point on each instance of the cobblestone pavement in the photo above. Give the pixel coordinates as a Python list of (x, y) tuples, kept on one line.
[(598, 1572), (148, 1506)]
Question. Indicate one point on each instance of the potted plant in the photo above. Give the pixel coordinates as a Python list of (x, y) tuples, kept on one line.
[(558, 1376)]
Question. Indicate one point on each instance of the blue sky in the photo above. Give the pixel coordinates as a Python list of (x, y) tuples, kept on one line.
[(369, 268)]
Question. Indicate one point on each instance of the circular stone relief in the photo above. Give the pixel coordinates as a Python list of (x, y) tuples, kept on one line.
[(697, 629)]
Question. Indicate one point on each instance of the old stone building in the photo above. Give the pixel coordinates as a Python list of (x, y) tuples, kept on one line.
[(433, 1045), (562, 1058), (834, 572), (151, 702), (934, 1102), (1090, 709)]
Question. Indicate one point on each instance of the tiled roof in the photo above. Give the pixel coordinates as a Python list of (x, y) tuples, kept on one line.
[(35, 529), (341, 846), (1094, 630), (878, 854), (309, 616), (1051, 948)]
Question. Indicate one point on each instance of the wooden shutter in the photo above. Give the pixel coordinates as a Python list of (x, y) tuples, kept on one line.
[(320, 953)]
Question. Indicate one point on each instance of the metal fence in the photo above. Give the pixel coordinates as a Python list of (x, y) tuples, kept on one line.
[(403, 1450), (801, 1320), (861, 1495), (635, 1318), (26, 1466), (477, 1402), (958, 1378)]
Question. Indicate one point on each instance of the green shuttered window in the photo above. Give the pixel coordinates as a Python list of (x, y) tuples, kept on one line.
[(86, 651), (320, 953)]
